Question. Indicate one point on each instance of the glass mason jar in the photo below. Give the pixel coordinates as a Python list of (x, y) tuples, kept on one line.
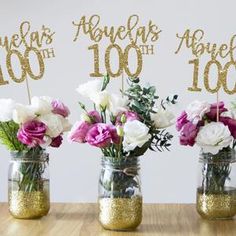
[(28, 184), (216, 192), (120, 197)]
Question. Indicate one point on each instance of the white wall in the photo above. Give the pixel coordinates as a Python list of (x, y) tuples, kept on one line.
[(166, 177)]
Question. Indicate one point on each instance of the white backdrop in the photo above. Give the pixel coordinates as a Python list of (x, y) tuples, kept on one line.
[(166, 177)]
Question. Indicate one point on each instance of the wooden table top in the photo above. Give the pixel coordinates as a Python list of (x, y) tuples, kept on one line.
[(81, 220)]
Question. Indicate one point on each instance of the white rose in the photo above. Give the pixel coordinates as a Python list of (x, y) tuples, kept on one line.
[(53, 123), (41, 105), (213, 137), (101, 99), (117, 104), (196, 110), (6, 109), (135, 135), (22, 114), (90, 88), (163, 118)]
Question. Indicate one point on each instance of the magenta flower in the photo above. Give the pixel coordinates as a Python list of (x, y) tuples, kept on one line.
[(231, 123), (96, 118), (32, 133), (181, 121), (102, 135), (212, 114), (60, 108), (129, 116), (188, 134), (79, 132), (56, 142)]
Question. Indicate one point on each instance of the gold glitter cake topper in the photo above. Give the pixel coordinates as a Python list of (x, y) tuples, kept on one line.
[(224, 51), (21, 46), (138, 37)]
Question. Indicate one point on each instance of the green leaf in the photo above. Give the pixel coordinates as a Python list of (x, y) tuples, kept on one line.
[(8, 136)]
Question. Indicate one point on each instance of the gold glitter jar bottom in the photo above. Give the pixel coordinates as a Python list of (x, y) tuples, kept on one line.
[(217, 205), (29, 205), (120, 213)]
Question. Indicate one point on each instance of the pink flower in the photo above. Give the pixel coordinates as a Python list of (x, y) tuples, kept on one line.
[(102, 135), (188, 134), (212, 114), (60, 108), (79, 132), (96, 118), (231, 123), (181, 121), (32, 133), (129, 116), (56, 142)]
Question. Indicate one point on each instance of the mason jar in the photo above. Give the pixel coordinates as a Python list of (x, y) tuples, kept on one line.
[(28, 184), (120, 197), (216, 192)]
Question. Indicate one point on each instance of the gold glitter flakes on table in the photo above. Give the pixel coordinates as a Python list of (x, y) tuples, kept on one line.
[(29, 205), (217, 205), (120, 213)]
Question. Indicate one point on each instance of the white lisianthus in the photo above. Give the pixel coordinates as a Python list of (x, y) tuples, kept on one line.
[(41, 105), (90, 88), (196, 110), (6, 109), (46, 142), (101, 99), (53, 123), (65, 123), (135, 135), (117, 104), (163, 118), (22, 114), (213, 137)]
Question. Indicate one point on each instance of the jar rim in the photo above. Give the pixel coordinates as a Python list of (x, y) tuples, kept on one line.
[(120, 163), (223, 156), (26, 156)]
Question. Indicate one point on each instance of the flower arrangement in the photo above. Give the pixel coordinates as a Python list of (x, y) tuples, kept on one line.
[(213, 128), (27, 130), (123, 125), (200, 124)]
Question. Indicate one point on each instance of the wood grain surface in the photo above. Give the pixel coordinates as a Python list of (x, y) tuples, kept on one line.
[(81, 220)]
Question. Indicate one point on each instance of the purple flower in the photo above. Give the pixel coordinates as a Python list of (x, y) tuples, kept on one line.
[(231, 123), (102, 135), (212, 114), (181, 121), (79, 131), (32, 133), (188, 134), (129, 116), (96, 118), (56, 142), (60, 108)]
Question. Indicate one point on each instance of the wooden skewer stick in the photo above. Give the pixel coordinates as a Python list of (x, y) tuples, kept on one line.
[(28, 90), (122, 84), (217, 107)]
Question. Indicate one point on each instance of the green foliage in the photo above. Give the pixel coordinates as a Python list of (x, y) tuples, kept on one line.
[(143, 101), (8, 136)]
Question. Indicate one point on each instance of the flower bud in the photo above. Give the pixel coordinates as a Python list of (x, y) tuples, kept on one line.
[(120, 131), (85, 117), (123, 118)]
